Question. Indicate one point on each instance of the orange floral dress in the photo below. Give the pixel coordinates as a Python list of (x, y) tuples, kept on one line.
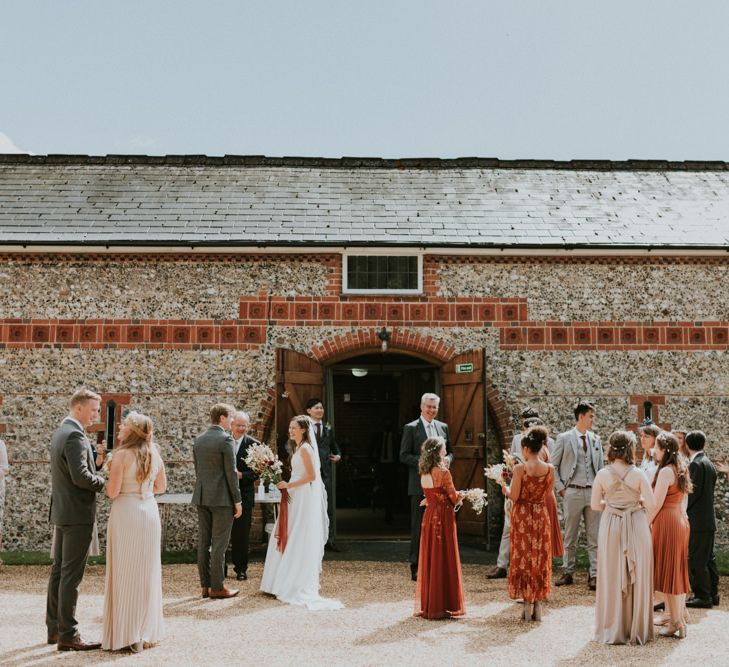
[(530, 570), (439, 592)]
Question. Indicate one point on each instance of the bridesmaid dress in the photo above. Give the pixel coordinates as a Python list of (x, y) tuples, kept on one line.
[(439, 592), (670, 544), (133, 589), (624, 598), (530, 570)]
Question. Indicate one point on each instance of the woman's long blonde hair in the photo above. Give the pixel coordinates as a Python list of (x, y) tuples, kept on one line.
[(139, 439)]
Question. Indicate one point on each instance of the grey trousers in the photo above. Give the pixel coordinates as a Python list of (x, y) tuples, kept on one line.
[(505, 545), (70, 551), (213, 529), (576, 506)]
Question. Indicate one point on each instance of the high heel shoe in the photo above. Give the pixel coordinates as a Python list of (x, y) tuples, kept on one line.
[(671, 630), (526, 615), (537, 613), (661, 620)]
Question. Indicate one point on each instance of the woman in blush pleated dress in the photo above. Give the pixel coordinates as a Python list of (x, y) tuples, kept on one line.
[(133, 591)]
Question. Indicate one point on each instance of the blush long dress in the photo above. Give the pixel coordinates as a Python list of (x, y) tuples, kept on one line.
[(439, 592), (624, 598), (133, 587)]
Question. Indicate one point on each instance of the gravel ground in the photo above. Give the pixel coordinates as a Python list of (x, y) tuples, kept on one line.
[(376, 628)]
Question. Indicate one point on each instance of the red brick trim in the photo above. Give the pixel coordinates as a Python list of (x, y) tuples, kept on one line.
[(366, 340), (261, 428), (501, 417), (639, 400), (684, 335)]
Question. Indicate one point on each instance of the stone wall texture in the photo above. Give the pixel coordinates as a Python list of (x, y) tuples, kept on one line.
[(176, 386)]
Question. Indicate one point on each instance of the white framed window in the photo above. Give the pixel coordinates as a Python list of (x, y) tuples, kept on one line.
[(385, 272)]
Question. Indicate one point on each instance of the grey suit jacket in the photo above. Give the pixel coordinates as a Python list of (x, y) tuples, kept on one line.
[(413, 437), (216, 481), (74, 482), (564, 456)]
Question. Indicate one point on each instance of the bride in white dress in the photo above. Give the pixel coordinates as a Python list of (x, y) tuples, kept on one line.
[(293, 576)]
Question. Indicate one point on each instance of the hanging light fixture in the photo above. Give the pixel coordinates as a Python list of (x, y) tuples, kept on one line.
[(359, 372), (384, 336)]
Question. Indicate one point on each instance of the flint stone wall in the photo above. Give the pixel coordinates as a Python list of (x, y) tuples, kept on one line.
[(176, 387)]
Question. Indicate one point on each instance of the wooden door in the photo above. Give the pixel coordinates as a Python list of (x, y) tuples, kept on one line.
[(298, 378), (464, 409)]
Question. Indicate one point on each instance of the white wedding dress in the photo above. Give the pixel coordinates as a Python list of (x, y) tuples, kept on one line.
[(293, 576)]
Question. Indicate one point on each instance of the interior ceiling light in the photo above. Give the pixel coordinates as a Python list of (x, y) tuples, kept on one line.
[(359, 372)]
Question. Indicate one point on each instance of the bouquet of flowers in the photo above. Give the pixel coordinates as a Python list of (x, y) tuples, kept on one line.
[(501, 473), (107, 462), (261, 459), (477, 498)]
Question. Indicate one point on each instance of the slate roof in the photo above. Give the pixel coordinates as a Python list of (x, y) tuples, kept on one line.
[(258, 201)]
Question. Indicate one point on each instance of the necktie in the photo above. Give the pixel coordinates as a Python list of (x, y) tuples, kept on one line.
[(318, 430), (584, 443)]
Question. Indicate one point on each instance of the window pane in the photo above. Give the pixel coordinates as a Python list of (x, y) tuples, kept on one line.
[(382, 273)]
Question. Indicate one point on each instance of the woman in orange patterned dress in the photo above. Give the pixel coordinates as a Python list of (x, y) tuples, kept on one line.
[(439, 592), (530, 571), (671, 485)]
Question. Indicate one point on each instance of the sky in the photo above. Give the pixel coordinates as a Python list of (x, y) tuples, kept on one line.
[(557, 79)]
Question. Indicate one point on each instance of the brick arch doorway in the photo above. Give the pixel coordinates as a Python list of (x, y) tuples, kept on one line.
[(358, 406)]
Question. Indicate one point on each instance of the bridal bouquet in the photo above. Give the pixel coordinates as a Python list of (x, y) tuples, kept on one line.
[(261, 459), (477, 498)]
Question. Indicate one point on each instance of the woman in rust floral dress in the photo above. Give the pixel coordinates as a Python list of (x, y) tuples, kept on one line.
[(439, 592), (530, 571)]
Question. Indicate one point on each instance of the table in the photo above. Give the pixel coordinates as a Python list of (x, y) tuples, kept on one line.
[(167, 500)]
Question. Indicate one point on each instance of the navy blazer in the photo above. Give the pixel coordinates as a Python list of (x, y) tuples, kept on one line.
[(700, 508)]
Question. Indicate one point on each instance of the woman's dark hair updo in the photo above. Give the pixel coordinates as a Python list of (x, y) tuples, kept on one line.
[(534, 439)]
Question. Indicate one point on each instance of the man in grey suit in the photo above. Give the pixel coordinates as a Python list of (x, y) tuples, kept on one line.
[(577, 457), (414, 435), (74, 485), (217, 497)]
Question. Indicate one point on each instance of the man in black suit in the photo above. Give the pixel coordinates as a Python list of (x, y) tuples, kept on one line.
[(703, 575), (328, 453), (246, 477), (74, 485), (414, 435)]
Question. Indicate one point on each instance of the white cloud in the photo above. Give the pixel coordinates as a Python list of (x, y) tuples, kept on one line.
[(7, 145)]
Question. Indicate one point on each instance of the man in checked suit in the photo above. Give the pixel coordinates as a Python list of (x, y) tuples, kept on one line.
[(217, 497), (703, 575), (414, 435), (577, 457)]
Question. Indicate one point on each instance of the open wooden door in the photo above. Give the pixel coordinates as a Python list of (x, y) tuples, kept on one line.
[(464, 409), (298, 378)]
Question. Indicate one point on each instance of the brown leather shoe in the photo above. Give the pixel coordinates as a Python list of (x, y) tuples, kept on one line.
[(205, 592), (77, 644), (497, 573), (222, 594), (564, 580), (592, 583), (53, 639)]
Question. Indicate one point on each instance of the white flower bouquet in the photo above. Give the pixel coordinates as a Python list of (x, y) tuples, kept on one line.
[(107, 461), (477, 498), (261, 459)]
